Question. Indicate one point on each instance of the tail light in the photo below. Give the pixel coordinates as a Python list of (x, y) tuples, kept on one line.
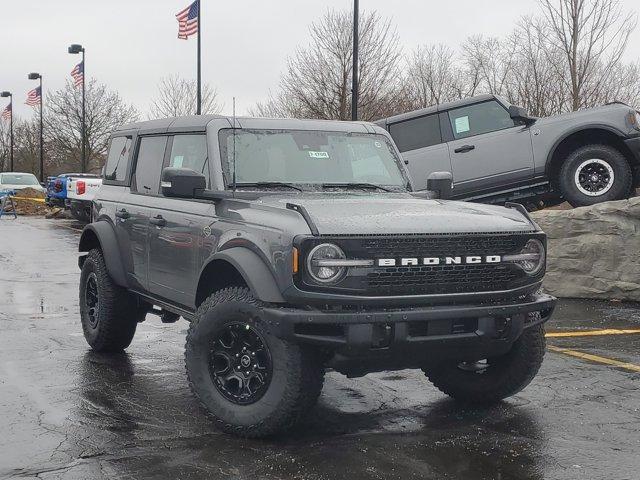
[(81, 187)]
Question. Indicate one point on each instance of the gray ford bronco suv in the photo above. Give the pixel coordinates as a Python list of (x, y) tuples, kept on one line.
[(497, 152), (294, 246)]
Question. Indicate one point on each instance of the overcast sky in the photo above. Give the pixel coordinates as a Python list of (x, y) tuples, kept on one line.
[(132, 43)]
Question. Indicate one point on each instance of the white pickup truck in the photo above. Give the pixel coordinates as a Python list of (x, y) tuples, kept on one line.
[(80, 194)]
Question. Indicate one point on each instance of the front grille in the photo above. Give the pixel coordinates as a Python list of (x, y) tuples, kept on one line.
[(434, 279), (441, 279), (435, 246)]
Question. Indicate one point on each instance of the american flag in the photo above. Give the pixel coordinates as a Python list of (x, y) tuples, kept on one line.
[(33, 97), (188, 20), (7, 112), (78, 74)]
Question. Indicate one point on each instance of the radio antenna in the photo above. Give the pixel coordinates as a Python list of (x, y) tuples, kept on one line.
[(234, 146)]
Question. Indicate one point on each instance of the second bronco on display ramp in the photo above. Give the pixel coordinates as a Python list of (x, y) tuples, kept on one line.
[(293, 246)]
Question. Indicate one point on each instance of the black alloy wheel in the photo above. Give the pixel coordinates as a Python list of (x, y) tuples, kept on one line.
[(240, 363), (92, 299)]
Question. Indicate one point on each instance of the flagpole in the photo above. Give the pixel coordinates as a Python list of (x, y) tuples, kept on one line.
[(199, 99), (41, 135), (84, 121)]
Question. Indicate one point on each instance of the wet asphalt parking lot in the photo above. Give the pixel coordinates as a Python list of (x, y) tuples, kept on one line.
[(68, 413)]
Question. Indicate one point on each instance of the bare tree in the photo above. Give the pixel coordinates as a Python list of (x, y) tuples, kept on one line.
[(176, 97), (592, 36), (434, 76), (105, 111), (317, 82), (532, 81)]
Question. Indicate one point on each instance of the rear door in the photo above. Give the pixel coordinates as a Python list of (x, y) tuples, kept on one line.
[(180, 227), (134, 209), (487, 148), (420, 142)]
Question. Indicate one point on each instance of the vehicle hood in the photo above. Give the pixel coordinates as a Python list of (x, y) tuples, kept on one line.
[(371, 214), (594, 113)]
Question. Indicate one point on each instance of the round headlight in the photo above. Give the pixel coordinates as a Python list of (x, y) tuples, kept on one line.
[(321, 263), (532, 257)]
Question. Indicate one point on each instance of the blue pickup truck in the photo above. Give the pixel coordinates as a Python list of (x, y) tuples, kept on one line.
[(57, 188)]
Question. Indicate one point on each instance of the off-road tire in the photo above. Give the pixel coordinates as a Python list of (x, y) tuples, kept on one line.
[(623, 176), (297, 372), (118, 313), (505, 376)]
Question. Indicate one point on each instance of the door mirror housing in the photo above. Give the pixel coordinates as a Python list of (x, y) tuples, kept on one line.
[(441, 184), (181, 182), (520, 114)]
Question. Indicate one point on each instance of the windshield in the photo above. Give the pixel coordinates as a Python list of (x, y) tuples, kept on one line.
[(313, 158), (18, 179)]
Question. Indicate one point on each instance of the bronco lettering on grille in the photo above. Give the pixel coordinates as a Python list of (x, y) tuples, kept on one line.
[(414, 262)]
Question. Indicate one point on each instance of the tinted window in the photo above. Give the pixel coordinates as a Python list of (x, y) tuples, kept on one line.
[(416, 133), (190, 151), (480, 118), (118, 159), (149, 165)]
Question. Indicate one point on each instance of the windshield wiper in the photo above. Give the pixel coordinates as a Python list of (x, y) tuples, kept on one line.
[(266, 185), (368, 186)]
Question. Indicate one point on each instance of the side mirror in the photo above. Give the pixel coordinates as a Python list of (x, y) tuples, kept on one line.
[(181, 182), (440, 183), (520, 114)]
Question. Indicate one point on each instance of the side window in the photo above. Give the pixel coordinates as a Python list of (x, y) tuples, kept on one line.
[(190, 151), (478, 119), (118, 159), (149, 165), (416, 133)]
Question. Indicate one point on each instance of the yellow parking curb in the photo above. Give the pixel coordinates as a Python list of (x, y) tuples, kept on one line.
[(593, 333), (595, 358)]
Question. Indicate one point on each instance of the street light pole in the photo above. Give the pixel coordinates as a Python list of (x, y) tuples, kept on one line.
[(354, 85), (74, 49), (37, 76), (10, 95)]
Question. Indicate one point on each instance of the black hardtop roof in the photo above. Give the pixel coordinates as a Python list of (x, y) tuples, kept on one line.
[(196, 123)]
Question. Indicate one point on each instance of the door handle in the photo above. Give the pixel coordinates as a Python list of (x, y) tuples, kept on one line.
[(465, 149), (158, 221), (123, 214)]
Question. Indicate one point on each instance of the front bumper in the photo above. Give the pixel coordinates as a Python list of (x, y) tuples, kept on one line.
[(487, 329)]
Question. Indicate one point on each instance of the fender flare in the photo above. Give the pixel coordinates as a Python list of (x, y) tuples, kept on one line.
[(108, 241), (255, 273), (577, 129)]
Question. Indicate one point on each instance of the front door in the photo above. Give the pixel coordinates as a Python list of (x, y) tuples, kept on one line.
[(180, 229), (488, 149)]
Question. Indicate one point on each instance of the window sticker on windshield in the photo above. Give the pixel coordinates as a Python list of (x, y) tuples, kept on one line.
[(378, 144), (178, 161), (462, 124), (313, 154)]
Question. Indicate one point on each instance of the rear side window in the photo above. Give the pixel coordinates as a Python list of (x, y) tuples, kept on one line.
[(149, 165), (118, 159), (190, 151), (478, 119), (416, 133)]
